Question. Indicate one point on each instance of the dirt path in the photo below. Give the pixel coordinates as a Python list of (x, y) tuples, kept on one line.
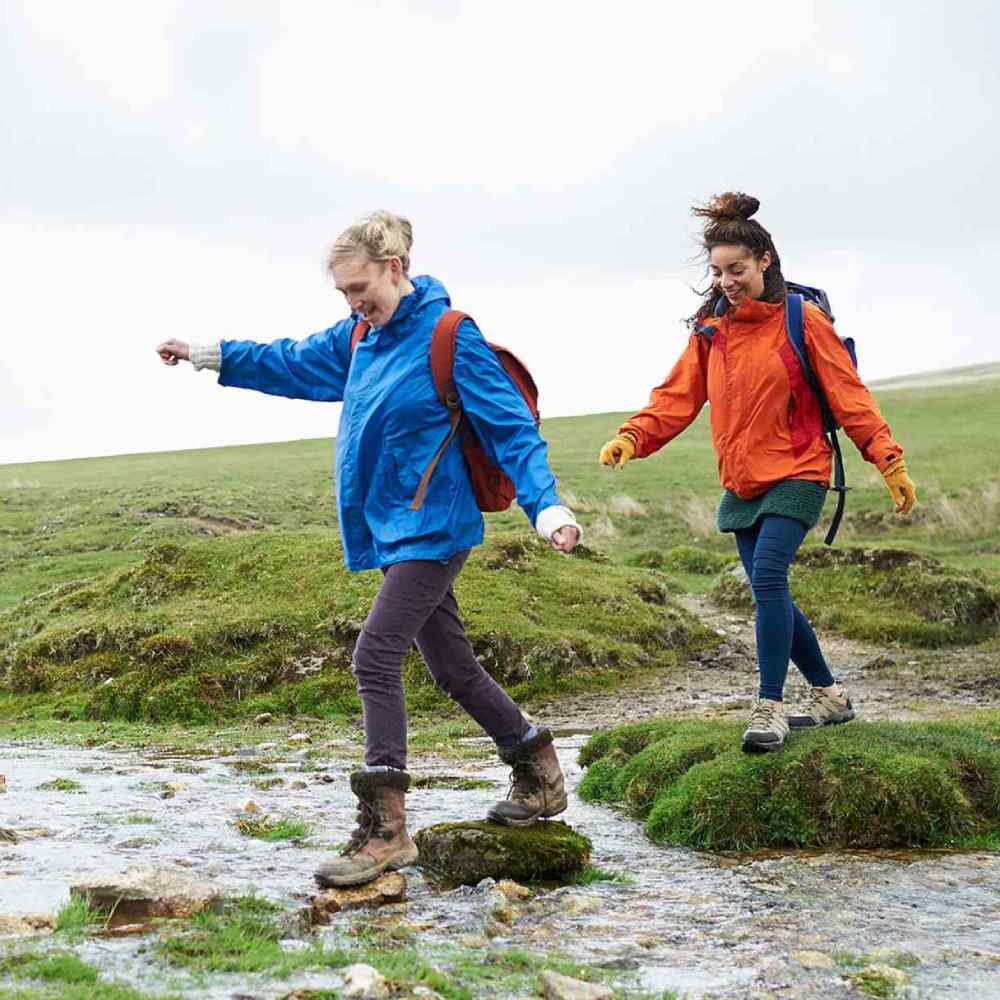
[(884, 683)]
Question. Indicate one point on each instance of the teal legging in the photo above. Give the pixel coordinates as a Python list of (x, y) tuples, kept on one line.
[(783, 632)]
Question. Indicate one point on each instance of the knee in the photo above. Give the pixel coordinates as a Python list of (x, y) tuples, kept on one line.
[(769, 579), (374, 652)]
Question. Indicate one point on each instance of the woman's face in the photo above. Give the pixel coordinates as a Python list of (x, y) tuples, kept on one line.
[(371, 287), (737, 273)]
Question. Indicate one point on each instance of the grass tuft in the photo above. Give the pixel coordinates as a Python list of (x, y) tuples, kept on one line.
[(61, 785), (262, 828)]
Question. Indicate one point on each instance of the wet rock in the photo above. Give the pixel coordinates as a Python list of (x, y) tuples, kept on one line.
[(142, 892), (251, 807), (265, 747), (514, 891), (298, 784), (300, 738), (3, 784), (388, 888), (879, 980), (135, 843), (881, 662), (126, 930), (501, 908), (8, 835), (577, 904), (730, 654), (466, 853), (557, 987), (29, 923), (362, 982), (813, 959), (264, 719)]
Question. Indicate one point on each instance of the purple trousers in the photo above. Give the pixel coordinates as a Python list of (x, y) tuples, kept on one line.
[(416, 603)]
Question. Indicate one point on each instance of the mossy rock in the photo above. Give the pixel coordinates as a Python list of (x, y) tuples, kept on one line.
[(886, 784), (881, 595), (466, 853)]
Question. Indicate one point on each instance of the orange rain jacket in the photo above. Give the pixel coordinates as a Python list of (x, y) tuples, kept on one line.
[(766, 421)]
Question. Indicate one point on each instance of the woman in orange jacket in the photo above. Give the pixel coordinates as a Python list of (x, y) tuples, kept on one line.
[(774, 460)]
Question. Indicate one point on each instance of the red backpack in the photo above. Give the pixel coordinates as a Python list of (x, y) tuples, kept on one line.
[(492, 486)]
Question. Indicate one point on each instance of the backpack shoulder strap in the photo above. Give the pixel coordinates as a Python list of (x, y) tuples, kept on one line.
[(796, 330), (443, 373), (358, 334), (443, 357)]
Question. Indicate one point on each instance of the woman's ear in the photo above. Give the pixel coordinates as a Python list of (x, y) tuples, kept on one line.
[(765, 260)]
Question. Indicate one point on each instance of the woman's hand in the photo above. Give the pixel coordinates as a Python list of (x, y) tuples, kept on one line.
[(617, 452), (565, 538), (172, 351), (904, 493)]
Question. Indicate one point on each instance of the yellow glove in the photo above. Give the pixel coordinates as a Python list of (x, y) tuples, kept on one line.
[(619, 451), (904, 493)]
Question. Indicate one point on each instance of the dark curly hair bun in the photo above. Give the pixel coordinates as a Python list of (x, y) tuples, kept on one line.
[(732, 205)]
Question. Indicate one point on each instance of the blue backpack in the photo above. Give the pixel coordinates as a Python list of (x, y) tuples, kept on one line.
[(795, 302)]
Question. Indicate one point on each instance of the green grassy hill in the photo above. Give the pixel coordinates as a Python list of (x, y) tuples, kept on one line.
[(250, 533)]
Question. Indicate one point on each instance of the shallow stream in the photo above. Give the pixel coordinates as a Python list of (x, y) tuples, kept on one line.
[(698, 924)]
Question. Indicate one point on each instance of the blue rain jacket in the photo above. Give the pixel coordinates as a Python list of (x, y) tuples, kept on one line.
[(392, 423)]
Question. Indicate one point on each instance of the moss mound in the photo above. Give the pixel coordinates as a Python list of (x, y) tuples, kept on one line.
[(466, 853), (887, 784), (682, 559), (882, 595), (267, 621)]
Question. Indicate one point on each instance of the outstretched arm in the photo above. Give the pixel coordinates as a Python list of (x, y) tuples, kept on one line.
[(675, 403), (315, 368)]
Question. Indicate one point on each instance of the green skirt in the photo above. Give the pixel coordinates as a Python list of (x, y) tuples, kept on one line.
[(800, 499)]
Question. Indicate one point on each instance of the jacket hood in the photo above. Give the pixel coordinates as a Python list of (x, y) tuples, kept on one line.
[(425, 290), (754, 311)]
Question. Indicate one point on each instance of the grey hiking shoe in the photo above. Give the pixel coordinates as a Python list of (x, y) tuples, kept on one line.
[(767, 727), (823, 709), (379, 842), (537, 789)]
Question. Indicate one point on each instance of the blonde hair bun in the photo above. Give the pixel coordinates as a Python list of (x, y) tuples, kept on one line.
[(379, 235)]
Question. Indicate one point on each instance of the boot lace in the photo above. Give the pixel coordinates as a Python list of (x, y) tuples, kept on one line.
[(369, 825), (524, 781), (764, 713)]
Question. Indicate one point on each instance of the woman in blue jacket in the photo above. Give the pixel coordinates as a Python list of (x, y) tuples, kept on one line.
[(391, 425)]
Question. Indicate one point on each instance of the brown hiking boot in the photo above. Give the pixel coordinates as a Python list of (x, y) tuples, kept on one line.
[(537, 789), (767, 727), (379, 842), (823, 709)]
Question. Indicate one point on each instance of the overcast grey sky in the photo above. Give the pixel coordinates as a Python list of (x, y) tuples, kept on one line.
[(174, 168)]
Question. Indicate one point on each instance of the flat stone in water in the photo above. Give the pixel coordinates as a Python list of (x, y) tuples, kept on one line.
[(388, 888), (466, 853), (142, 892), (558, 987)]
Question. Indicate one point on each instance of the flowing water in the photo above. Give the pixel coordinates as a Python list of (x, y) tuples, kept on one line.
[(699, 924)]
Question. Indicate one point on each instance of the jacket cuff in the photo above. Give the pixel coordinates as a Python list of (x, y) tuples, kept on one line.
[(889, 458), (630, 433), (207, 356), (550, 520)]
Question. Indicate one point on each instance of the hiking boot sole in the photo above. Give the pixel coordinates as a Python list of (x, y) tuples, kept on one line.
[(804, 722), (749, 746), (346, 881), (495, 817)]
